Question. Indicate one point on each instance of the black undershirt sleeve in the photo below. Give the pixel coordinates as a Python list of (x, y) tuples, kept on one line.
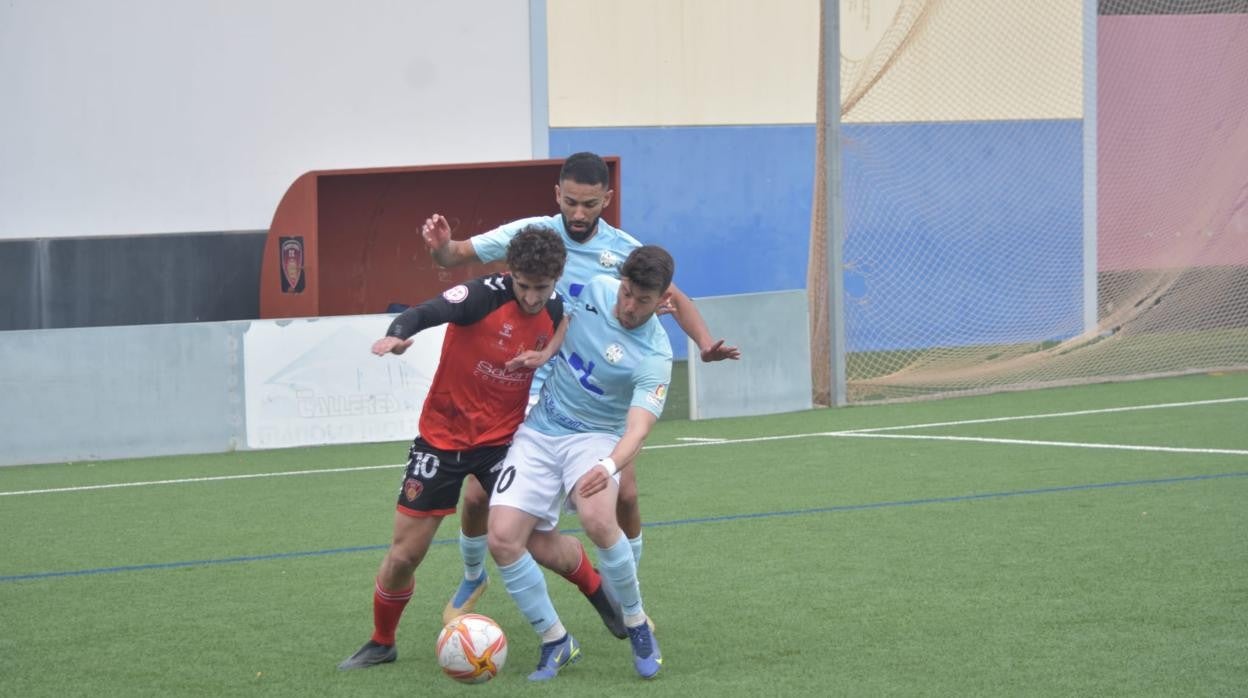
[(431, 313), (554, 308), (481, 299)]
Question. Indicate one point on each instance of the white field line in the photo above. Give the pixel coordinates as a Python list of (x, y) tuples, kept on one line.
[(1049, 415), (185, 480), (750, 440), (757, 439), (699, 439), (1067, 444)]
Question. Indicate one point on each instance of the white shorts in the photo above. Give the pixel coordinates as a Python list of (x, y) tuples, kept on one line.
[(539, 471)]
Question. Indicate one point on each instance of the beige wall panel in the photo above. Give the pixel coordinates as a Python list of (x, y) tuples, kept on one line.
[(711, 62), (682, 62), (962, 60)]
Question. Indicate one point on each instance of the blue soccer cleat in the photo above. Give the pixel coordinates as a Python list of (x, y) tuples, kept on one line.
[(555, 656), (465, 598), (615, 625), (646, 656)]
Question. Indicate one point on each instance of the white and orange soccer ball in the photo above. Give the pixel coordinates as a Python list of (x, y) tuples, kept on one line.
[(472, 648)]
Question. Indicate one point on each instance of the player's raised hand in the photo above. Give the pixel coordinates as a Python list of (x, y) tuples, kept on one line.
[(391, 345), (436, 231), (526, 359), (718, 352)]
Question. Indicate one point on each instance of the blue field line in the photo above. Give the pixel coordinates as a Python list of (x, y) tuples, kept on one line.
[(656, 524), (195, 563)]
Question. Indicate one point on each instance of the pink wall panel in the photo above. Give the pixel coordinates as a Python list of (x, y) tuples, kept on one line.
[(1172, 97)]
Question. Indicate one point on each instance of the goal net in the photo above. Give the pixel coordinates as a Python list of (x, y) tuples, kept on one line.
[(1006, 228)]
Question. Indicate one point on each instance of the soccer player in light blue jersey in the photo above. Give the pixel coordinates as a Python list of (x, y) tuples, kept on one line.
[(606, 392), (594, 247)]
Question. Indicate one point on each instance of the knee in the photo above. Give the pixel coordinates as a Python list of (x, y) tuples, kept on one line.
[(504, 548), (628, 494), (602, 530), (475, 512), (399, 562), (476, 500)]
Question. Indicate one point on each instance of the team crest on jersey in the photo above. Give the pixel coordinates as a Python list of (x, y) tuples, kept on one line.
[(455, 294), (412, 489), (614, 353), (507, 328), (657, 396), (608, 259)]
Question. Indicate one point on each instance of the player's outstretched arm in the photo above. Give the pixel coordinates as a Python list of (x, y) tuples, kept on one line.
[(690, 320), (432, 312), (637, 427), (446, 252), (534, 359)]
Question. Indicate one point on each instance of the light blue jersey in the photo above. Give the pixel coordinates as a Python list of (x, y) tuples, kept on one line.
[(603, 369), (603, 253)]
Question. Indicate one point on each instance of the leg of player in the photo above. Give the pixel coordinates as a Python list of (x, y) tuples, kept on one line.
[(619, 572), (566, 556), (393, 587), (628, 511), (474, 517), (509, 532)]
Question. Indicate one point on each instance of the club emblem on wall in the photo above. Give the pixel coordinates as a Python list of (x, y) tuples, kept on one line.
[(291, 258)]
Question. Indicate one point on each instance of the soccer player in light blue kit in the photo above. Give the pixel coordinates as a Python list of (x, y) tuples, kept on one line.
[(594, 247), (606, 392)]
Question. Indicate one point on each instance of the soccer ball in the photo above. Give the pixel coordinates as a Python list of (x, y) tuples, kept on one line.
[(472, 649)]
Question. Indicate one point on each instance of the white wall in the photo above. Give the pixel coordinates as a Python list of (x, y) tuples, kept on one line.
[(149, 116), (93, 393)]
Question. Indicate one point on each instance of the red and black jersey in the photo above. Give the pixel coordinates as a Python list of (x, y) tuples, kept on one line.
[(474, 400)]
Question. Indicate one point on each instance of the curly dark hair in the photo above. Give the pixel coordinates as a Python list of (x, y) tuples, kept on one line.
[(649, 267), (537, 251)]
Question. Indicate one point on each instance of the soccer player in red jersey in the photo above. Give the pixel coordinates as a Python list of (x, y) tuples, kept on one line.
[(582, 192), (501, 328)]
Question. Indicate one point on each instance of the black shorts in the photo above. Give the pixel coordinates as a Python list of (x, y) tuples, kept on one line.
[(433, 479)]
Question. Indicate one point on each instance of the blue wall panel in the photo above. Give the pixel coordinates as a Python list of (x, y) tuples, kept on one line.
[(732, 204), (962, 233), (985, 216)]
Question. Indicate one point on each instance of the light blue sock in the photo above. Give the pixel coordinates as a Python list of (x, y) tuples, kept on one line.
[(473, 552), (635, 544), (524, 581), (620, 573)]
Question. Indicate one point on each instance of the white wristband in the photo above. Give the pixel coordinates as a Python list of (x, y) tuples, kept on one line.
[(609, 464)]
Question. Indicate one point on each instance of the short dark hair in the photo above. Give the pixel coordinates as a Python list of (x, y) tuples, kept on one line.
[(585, 168), (650, 267), (537, 251)]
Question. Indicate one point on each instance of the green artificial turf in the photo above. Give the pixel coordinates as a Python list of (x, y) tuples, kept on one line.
[(780, 562)]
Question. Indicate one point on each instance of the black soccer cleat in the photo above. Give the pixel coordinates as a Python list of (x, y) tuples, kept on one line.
[(371, 654), (610, 612)]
